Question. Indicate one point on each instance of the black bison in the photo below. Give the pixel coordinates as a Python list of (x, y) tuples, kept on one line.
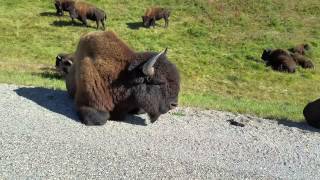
[(312, 113), (302, 60), (301, 49), (109, 80), (62, 5), (81, 11), (279, 60), (153, 14)]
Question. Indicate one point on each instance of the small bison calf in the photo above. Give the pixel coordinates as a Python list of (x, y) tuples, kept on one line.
[(153, 14), (279, 60), (64, 62), (81, 11), (301, 49)]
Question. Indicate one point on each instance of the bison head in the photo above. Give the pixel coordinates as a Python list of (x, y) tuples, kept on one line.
[(64, 63), (155, 84), (266, 54), (146, 21), (58, 5)]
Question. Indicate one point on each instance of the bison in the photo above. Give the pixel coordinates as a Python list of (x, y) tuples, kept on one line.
[(312, 113), (301, 49), (109, 80), (302, 60), (153, 14), (279, 60), (81, 11)]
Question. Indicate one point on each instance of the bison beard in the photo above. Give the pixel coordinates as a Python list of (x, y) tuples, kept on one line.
[(109, 80)]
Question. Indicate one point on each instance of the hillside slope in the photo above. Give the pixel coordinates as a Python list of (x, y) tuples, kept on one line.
[(216, 44)]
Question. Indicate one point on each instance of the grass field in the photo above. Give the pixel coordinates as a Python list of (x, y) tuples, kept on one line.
[(216, 45)]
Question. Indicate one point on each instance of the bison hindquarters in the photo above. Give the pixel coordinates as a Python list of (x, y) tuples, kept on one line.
[(312, 113)]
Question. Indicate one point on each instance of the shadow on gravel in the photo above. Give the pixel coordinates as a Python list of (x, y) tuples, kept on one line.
[(54, 100), (300, 125), (59, 102)]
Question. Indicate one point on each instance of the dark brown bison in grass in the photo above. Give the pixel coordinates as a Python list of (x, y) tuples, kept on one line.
[(154, 14), (109, 80), (301, 49), (312, 113), (82, 11), (279, 60)]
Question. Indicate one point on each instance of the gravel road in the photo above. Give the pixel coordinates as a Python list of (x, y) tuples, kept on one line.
[(41, 138)]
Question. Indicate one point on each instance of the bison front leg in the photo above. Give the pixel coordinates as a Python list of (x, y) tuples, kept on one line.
[(93, 99), (166, 21)]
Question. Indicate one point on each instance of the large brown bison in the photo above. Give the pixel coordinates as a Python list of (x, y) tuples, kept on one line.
[(82, 11), (279, 60), (109, 80), (153, 14), (312, 113)]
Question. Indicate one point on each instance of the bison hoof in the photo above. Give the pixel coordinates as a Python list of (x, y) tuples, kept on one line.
[(92, 117)]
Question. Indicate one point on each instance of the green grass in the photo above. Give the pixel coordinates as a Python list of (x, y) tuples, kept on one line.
[(216, 45)]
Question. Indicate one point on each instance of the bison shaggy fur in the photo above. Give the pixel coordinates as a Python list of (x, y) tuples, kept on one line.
[(279, 60), (312, 113), (154, 14), (301, 49), (110, 80)]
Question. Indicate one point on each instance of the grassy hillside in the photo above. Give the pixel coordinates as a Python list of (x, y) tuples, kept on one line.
[(216, 44)]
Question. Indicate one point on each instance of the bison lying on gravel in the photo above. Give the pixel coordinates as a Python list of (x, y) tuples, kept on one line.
[(109, 80), (82, 11), (312, 113), (153, 14)]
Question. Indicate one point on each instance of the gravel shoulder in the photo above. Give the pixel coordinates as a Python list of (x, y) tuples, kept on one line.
[(41, 138)]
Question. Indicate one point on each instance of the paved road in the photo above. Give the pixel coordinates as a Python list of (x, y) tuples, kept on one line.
[(40, 138)]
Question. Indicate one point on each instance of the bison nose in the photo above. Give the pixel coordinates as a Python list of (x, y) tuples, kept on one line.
[(173, 105)]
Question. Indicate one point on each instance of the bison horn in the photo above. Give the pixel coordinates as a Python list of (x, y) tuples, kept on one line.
[(148, 68)]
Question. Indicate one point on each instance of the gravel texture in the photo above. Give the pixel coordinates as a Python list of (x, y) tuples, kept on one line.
[(41, 138)]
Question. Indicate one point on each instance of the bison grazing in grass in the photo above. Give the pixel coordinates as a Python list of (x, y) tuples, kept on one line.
[(301, 49), (279, 60), (312, 113), (153, 14), (82, 11), (109, 80)]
